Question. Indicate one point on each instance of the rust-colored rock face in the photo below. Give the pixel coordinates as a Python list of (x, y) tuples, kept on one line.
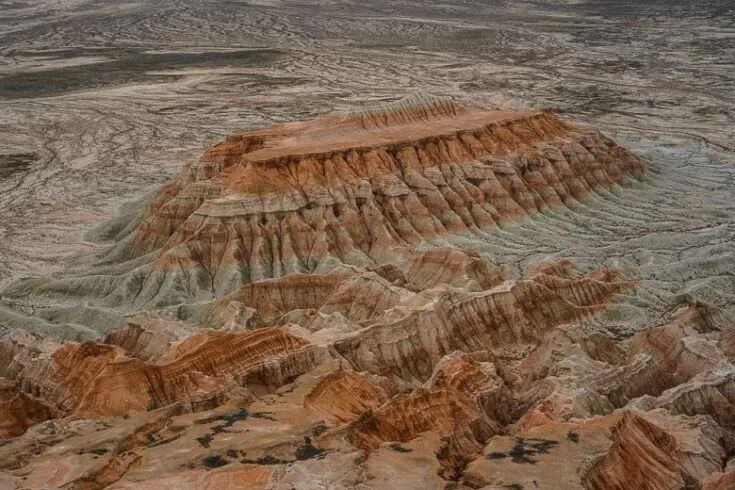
[(305, 308), (645, 454), (19, 410)]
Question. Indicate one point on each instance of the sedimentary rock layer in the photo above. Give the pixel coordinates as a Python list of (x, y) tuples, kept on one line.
[(357, 189), (301, 306), (98, 379)]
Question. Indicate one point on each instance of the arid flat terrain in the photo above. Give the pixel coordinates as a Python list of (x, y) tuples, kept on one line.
[(334, 244)]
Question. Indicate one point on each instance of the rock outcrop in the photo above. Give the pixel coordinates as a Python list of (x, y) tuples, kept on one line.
[(678, 453), (98, 379), (19, 410)]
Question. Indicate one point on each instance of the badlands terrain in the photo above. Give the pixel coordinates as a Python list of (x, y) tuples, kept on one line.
[(374, 245)]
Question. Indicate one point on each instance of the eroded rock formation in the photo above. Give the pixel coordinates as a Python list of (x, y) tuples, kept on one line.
[(660, 452), (360, 190), (302, 309)]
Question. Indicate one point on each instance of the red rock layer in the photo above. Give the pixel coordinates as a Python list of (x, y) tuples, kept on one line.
[(513, 313), (657, 451), (642, 456), (459, 268), (342, 396), (405, 417), (272, 298), (465, 402), (96, 379), (18, 410)]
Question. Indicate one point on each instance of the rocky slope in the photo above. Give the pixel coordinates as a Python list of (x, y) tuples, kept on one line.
[(302, 308)]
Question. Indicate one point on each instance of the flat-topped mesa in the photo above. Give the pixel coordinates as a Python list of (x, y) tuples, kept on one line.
[(361, 189)]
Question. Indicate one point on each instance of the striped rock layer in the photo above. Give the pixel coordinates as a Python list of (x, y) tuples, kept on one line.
[(300, 306), (361, 189)]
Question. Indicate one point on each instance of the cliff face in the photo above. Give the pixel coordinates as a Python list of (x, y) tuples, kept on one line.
[(303, 307), (19, 410), (657, 453)]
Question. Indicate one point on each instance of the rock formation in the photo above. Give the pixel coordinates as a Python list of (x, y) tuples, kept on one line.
[(676, 454), (355, 189), (302, 308)]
